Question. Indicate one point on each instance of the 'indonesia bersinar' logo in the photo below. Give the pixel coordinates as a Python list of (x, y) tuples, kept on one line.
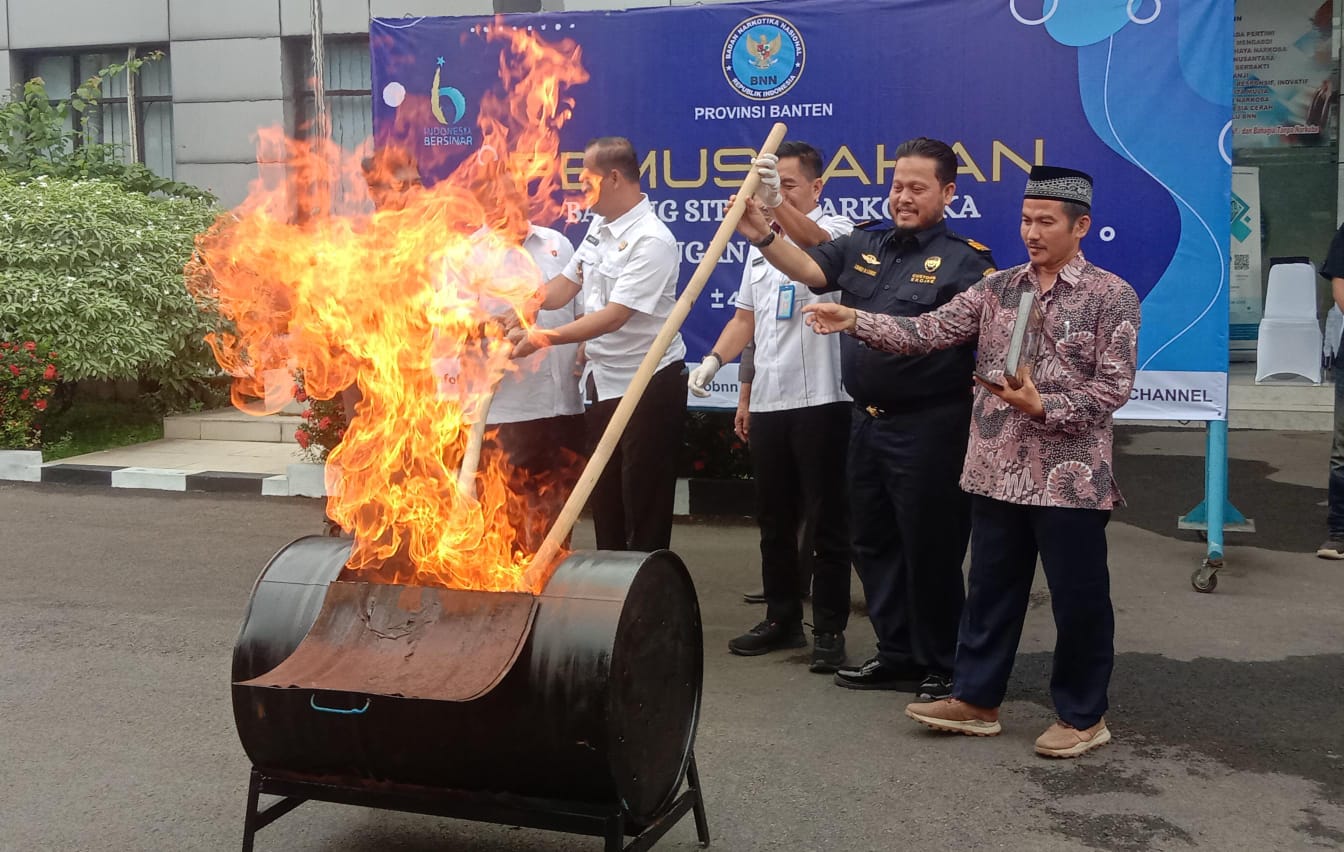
[(763, 57)]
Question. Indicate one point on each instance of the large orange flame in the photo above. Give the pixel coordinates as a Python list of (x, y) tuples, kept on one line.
[(381, 300)]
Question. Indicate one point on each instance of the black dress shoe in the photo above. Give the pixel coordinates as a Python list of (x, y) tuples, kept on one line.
[(876, 674), (766, 637)]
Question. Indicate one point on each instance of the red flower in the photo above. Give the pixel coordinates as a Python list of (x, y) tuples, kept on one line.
[(24, 395), (302, 437), (300, 395), (14, 368), (50, 372), (30, 346), (308, 413), (324, 424), (40, 405)]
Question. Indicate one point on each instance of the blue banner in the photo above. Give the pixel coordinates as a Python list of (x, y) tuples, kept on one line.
[(1136, 93)]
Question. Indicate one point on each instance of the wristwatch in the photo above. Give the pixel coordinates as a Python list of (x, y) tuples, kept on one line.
[(767, 240)]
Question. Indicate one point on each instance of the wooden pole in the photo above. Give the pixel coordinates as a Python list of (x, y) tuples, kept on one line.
[(550, 548), (471, 456)]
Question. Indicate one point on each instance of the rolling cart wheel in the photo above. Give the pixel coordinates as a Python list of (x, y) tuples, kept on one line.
[(1204, 580)]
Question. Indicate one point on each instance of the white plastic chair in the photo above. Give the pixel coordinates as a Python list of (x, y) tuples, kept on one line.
[(1290, 334)]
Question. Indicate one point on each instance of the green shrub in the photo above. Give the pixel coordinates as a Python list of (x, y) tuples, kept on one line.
[(96, 270), (92, 249)]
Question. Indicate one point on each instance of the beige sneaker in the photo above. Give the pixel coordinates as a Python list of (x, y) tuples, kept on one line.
[(956, 716), (1064, 740)]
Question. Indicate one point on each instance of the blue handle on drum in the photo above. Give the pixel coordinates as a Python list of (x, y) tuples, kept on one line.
[(355, 711)]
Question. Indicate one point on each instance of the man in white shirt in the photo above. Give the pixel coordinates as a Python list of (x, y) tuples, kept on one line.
[(536, 416), (626, 268), (799, 420)]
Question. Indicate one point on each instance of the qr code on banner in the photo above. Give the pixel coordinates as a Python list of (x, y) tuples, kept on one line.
[(1241, 262)]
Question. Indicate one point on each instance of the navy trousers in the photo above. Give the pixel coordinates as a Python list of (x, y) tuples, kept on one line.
[(1005, 541), (909, 523)]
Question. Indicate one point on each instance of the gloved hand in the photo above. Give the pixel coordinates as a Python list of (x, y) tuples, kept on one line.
[(768, 193), (701, 376)]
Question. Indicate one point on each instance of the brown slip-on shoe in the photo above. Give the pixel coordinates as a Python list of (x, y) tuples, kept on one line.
[(1064, 740), (956, 716)]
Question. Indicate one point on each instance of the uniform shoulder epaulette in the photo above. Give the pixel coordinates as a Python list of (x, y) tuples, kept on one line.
[(975, 244), (872, 225)]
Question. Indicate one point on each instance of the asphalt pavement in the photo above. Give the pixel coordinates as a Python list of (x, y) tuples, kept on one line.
[(120, 608)]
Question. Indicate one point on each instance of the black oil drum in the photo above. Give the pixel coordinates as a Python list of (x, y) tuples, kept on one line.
[(586, 693)]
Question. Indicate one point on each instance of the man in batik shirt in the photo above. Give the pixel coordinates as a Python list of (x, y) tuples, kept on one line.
[(1038, 463)]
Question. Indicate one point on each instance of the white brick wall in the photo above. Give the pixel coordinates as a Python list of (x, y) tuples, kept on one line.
[(75, 23), (227, 70), (229, 181), (222, 132), (201, 19)]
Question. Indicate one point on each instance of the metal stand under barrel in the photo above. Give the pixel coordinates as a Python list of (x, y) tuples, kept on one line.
[(570, 817), (1215, 513)]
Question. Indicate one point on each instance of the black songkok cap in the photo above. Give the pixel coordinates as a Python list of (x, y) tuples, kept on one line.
[(1059, 184)]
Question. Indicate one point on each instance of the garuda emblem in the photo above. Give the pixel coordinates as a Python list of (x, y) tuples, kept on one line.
[(764, 52)]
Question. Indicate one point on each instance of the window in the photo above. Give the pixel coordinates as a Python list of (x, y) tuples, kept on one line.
[(346, 82), (111, 121)]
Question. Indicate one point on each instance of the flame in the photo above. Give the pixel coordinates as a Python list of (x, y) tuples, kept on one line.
[(408, 306)]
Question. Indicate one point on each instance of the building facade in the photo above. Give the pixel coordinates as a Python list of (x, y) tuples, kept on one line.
[(227, 69)]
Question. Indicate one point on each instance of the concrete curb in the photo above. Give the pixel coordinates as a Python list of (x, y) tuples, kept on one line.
[(694, 497), (155, 479)]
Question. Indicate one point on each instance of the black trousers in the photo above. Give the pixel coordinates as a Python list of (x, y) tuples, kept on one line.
[(798, 460), (547, 458), (910, 523), (1005, 541), (632, 501)]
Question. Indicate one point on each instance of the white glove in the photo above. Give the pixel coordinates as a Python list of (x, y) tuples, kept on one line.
[(768, 192), (703, 375)]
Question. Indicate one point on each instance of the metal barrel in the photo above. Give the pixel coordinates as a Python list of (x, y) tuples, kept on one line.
[(599, 706)]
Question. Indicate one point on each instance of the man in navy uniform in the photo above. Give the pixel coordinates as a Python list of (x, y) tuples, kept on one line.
[(909, 519)]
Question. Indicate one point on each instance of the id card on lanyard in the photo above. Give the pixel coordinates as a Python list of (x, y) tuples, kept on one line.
[(784, 305)]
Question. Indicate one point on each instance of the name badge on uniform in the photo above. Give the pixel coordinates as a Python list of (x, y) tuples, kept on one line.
[(784, 307)]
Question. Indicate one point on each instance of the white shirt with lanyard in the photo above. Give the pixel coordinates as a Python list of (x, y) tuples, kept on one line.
[(634, 261), (795, 368)]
